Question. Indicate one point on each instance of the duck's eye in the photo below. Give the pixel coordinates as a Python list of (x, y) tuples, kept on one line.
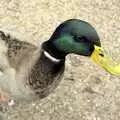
[(81, 39)]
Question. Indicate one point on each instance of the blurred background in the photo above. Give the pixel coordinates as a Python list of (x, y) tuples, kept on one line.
[(86, 92)]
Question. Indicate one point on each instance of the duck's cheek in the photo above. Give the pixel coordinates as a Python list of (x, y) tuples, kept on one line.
[(81, 49)]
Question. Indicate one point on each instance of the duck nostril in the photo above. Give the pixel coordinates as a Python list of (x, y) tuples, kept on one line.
[(101, 54)]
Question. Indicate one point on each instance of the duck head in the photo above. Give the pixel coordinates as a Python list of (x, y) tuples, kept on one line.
[(73, 36), (79, 37)]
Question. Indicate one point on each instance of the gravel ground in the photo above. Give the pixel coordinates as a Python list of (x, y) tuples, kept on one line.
[(86, 92)]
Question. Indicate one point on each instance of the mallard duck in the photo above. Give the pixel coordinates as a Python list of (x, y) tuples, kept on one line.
[(28, 71)]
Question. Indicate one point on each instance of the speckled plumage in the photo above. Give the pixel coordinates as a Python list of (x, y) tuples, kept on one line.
[(28, 72), (16, 49)]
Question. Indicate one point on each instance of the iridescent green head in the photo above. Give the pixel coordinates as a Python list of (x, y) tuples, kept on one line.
[(75, 36)]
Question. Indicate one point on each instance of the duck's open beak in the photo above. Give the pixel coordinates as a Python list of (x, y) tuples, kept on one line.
[(100, 57)]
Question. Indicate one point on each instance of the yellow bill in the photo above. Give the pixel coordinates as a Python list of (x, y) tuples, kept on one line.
[(100, 57)]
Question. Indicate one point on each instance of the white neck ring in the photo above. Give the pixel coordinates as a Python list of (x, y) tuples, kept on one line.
[(53, 59)]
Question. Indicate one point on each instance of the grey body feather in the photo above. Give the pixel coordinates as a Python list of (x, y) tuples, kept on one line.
[(26, 72)]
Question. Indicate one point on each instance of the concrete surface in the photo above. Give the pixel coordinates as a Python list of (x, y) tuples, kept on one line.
[(86, 92)]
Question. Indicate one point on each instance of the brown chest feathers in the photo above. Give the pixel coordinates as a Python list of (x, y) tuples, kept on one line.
[(45, 76)]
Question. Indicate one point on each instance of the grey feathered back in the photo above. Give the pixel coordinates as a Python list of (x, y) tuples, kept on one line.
[(26, 71)]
